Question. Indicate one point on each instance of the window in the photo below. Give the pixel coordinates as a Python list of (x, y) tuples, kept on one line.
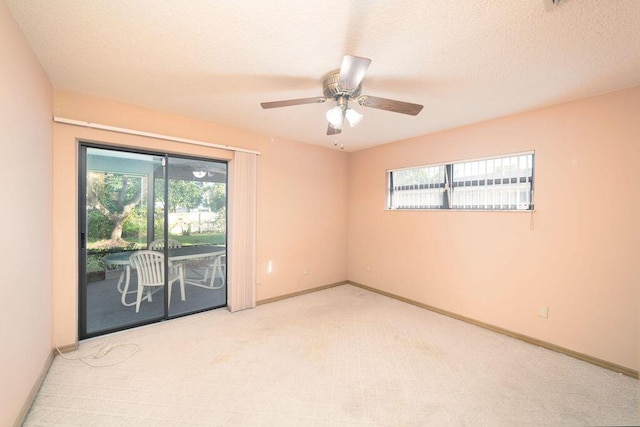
[(497, 183), (418, 188)]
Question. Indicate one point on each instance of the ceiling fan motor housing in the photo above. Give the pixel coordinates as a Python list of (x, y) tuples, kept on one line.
[(331, 89)]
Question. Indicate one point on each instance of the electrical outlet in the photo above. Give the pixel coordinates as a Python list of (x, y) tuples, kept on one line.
[(368, 268), (306, 271), (543, 311)]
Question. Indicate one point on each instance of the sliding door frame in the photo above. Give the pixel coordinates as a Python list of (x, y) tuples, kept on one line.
[(81, 246)]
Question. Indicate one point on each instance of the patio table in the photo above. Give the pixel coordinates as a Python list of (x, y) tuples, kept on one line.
[(175, 254)]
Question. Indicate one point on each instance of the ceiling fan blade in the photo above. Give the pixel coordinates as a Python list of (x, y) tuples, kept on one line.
[(352, 72), (333, 131), (390, 105), (290, 102)]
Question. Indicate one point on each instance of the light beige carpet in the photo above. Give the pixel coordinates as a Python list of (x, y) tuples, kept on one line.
[(341, 357)]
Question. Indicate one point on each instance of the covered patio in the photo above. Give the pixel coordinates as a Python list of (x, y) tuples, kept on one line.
[(105, 310)]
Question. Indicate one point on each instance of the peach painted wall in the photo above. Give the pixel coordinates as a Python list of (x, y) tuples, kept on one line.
[(302, 205), (581, 258), (26, 103), (302, 217)]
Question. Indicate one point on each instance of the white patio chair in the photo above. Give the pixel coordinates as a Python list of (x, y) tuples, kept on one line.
[(158, 245), (150, 268), (217, 268)]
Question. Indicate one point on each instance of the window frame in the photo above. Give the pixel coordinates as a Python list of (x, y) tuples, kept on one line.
[(450, 184)]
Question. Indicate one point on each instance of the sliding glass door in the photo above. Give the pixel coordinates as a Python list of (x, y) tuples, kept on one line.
[(149, 251), (197, 231)]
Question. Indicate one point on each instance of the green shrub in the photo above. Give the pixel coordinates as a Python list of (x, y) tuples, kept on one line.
[(98, 226), (135, 225)]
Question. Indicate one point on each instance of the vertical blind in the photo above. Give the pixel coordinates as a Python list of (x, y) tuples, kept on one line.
[(499, 183), (418, 188), (242, 231), (502, 183)]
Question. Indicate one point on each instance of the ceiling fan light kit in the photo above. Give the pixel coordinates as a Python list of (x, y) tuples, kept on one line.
[(198, 173), (353, 117), (345, 85), (335, 116)]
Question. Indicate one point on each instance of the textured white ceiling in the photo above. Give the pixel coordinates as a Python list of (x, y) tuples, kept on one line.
[(464, 60)]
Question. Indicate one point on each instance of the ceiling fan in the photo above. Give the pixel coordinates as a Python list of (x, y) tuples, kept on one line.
[(344, 86)]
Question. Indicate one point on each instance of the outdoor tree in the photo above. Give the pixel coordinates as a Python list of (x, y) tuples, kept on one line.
[(184, 194), (215, 196), (115, 196)]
